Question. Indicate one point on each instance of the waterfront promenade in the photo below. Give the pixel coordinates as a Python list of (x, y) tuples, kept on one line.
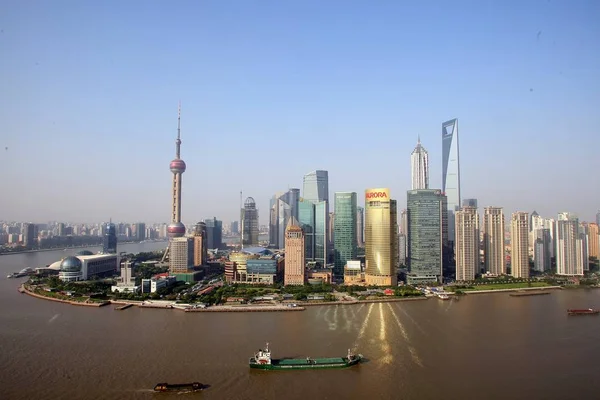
[(540, 288), (284, 306), (162, 304)]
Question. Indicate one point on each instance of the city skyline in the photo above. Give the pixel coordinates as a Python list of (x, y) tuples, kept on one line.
[(374, 105)]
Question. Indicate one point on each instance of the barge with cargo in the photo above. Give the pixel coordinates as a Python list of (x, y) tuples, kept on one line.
[(262, 360)]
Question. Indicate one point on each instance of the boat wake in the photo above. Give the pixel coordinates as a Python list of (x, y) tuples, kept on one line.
[(347, 319), (413, 321), (384, 344), (413, 352), (363, 327), (331, 320)]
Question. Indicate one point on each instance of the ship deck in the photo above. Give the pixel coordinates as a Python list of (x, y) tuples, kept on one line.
[(303, 361)]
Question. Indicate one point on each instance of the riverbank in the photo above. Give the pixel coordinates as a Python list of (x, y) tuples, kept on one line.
[(381, 300), (541, 288), (23, 289), (74, 247), (300, 306)]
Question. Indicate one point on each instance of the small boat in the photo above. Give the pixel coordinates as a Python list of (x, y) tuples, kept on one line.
[(585, 311), (24, 272), (178, 387), (262, 360), (443, 296)]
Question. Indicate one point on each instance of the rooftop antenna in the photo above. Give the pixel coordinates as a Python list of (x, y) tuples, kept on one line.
[(178, 141), (241, 223)]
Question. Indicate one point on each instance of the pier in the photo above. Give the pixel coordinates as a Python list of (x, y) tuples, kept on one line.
[(123, 307), (245, 309), (530, 293)]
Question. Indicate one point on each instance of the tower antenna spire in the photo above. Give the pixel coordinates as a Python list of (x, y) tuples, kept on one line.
[(178, 141)]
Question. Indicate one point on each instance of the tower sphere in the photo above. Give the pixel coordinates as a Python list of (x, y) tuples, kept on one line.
[(177, 166), (176, 229)]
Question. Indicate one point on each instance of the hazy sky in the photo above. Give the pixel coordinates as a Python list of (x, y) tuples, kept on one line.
[(271, 90)]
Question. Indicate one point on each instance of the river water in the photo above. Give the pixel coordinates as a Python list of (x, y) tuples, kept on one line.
[(482, 346)]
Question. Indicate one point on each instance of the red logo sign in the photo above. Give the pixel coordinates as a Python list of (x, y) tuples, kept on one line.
[(377, 195)]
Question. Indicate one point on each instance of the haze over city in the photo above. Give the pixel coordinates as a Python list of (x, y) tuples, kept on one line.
[(273, 90)]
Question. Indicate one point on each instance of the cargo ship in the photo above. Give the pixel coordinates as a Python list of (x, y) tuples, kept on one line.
[(262, 360), (585, 311), (178, 387)]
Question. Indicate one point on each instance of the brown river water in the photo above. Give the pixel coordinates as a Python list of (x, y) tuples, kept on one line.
[(480, 347)]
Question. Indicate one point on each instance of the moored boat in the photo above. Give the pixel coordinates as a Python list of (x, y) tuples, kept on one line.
[(585, 311), (24, 272), (178, 387), (262, 360)]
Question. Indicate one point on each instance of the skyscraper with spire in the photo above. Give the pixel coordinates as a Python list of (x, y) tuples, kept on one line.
[(181, 249), (419, 164), (177, 166), (451, 173)]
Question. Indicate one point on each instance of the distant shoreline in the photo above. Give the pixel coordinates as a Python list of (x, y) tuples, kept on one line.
[(72, 247), (488, 291)]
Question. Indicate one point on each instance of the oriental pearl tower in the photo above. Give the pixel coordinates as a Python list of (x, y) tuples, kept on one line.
[(177, 166)]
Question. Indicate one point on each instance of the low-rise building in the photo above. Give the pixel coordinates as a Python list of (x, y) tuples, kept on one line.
[(156, 283), (319, 276), (84, 267), (353, 274)]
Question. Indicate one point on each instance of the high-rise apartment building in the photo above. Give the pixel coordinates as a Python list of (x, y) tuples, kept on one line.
[(535, 221), (469, 203), (451, 172), (60, 229), (283, 207), (567, 236), (321, 226), (295, 262), (140, 231), (29, 236), (109, 245), (583, 257), (404, 221), (360, 226), (402, 249), (381, 230), (249, 220), (200, 248), (330, 230), (493, 240), (593, 240), (519, 244), (403, 229), (345, 243), (542, 250), (234, 228), (427, 234), (466, 244), (316, 191), (598, 218), (214, 233), (419, 166), (181, 254), (306, 219)]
